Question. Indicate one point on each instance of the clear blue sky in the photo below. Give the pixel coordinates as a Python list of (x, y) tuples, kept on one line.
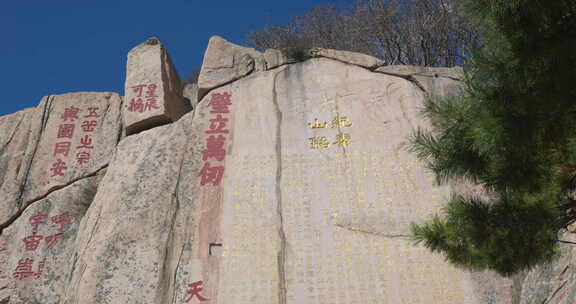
[(61, 46)]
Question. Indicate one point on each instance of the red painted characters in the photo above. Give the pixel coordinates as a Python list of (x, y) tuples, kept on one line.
[(24, 269), (33, 241), (67, 130), (215, 143), (194, 290), (144, 103)]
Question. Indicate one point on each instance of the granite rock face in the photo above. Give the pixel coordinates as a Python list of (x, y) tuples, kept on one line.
[(51, 158), (555, 282), (289, 182), (66, 138)]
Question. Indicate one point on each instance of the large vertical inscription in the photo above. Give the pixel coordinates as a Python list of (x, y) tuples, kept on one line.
[(66, 151), (215, 140), (202, 286)]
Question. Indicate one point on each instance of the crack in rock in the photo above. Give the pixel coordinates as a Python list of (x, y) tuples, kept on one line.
[(281, 233), (380, 234), (29, 203)]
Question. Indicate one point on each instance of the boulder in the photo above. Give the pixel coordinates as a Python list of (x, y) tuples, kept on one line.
[(225, 62), (153, 90), (362, 60), (434, 81)]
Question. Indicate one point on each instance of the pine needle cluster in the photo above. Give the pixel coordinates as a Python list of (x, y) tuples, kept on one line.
[(514, 133)]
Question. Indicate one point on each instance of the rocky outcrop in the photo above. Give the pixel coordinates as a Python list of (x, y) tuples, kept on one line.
[(153, 88), (51, 157), (289, 182), (225, 62), (66, 138), (434, 81)]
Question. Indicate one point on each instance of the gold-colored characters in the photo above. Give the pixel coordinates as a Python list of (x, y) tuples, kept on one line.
[(319, 142), (343, 140), (338, 122), (322, 142), (341, 122), (317, 124)]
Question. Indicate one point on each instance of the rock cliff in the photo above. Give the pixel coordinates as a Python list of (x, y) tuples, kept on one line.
[(273, 180)]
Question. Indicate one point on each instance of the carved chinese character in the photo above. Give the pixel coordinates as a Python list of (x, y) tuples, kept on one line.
[(214, 148), (217, 125), (317, 124), (136, 105), (220, 102), (83, 157), (51, 240), (89, 125), (58, 168), (138, 89), (150, 104), (65, 131), (40, 267), (31, 242), (92, 113), (60, 220), (37, 220), (342, 139), (62, 148), (341, 122), (211, 174), (151, 91), (86, 142), (319, 142), (70, 113), (194, 290), (24, 269)]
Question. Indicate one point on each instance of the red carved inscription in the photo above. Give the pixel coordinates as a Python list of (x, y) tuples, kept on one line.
[(145, 100), (194, 290), (215, 143), (66, 130)]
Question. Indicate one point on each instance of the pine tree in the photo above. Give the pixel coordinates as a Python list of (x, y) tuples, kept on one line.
[(513, 132)]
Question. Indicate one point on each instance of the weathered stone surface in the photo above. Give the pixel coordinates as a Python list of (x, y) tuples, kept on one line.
[(14, 140), (554, 282), (358, 59), (275, 58), (190, 92), (455, 73), (225, 62), (434, 81), (49, 249), (291, 220), (140, 225), (153, 89), (66, 138), (300, 215)]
